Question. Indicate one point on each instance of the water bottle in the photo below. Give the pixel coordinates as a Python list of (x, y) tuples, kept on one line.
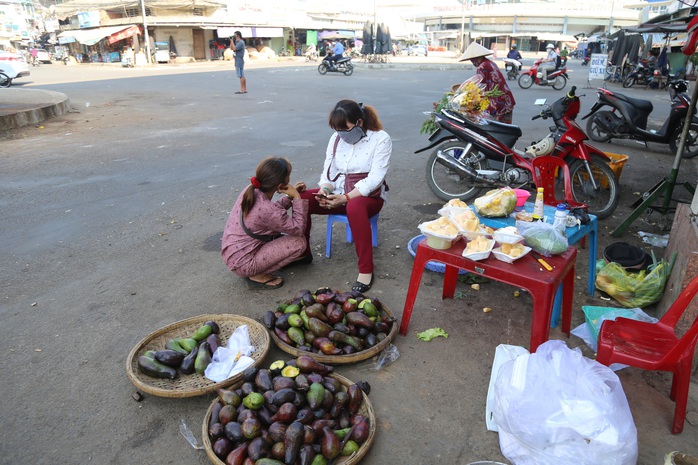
[(560, 221), (538, 206)]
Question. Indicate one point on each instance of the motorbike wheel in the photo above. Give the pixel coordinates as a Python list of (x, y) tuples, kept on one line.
[(629, 81), (525, 81), (322, 68), (595, 131), (690, 148), (559, 83), (349, 71), (5, 80), (603, 200), (447, 184)]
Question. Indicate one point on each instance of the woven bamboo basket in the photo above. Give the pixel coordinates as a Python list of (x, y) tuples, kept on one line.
[(342, 359), (366, 410), (195, 384)]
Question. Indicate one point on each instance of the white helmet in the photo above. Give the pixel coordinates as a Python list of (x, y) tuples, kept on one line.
[(549, 46), (543, 147)]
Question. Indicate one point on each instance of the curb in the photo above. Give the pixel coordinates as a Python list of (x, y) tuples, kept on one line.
[(29, 106)]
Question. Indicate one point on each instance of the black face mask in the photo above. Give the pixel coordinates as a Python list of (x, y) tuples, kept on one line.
[(353, 135)]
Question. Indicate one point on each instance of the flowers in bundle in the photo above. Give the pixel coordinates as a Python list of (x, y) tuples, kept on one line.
[(468, 98)]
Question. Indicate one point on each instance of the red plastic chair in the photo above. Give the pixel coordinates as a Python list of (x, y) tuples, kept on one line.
[(655, 347), (545, 175)]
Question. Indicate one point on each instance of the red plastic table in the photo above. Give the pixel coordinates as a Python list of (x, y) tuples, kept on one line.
[(525, 273)]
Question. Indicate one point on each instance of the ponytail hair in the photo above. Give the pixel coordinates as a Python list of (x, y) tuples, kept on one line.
[(270, 173), (348, 111)]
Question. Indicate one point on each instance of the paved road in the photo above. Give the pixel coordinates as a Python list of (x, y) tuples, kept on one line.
[(111, 219)]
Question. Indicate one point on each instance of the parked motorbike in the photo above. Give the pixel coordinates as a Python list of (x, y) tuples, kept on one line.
[(469, 157), (627, 119), (512, 68), (641, 74), (343, 65), (557, 78), (586, 60)]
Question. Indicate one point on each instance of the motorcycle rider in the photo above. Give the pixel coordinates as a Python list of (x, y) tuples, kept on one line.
[(514, 54), (548, 63), (338, 51)]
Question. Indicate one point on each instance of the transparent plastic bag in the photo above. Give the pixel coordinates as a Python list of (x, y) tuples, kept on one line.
[(188, 435), (389, 355), (633, 289), (557, 407), (544, 238), (496, 203)]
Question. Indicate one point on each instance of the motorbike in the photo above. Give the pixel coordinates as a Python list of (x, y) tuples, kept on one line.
[(641, 74), (557, 78), (471, 156), (586, 60), (343, 65), (627, 119), (512, 68)]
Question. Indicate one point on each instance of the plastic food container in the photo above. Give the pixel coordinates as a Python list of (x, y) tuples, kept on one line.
[(475, 256), (507, 236), (499, 255), (438, 241)]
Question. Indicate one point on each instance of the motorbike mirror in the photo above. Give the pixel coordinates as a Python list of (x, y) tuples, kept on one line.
[(540, 101)]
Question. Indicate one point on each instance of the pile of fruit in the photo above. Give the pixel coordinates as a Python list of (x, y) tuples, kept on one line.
[(186, 355), (295, 412), (330, 322)]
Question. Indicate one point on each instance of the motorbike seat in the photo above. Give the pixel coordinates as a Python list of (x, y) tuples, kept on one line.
[(507, 134), (640, 104), (344, 59)]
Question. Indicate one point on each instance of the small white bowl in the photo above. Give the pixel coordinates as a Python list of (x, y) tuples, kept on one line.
[(499, 255), (479, 255)]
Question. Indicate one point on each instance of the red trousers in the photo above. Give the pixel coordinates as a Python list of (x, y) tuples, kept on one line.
[(358, 212)]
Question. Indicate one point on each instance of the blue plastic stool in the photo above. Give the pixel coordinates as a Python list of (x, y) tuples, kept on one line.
[(331, 219)]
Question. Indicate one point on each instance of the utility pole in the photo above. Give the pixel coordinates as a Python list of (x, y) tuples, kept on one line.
[(145, 33)]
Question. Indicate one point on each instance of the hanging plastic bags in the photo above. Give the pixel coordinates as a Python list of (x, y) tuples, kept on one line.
[(557, 407)]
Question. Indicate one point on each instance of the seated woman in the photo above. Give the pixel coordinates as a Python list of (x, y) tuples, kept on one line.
[(353, 178), (253, 245)]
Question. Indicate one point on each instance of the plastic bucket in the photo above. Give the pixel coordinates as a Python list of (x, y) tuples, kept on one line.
[(616, 162)]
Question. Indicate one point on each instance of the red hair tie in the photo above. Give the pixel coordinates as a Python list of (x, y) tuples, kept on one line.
[(255, 183)]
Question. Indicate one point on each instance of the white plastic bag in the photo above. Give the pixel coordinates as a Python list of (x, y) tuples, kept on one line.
[(228, 361), (557, 407)]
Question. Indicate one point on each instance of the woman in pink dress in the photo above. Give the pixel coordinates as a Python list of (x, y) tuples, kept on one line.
[(260, 236)]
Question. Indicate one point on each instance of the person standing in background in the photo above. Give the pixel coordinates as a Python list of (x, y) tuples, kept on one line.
[(240, 61), (502, 107)]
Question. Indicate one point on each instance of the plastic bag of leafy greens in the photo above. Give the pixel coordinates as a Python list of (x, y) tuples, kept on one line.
[(544, 238), (634, 289)]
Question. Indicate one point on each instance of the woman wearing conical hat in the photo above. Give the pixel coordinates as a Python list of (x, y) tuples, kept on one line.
[(501, 108)]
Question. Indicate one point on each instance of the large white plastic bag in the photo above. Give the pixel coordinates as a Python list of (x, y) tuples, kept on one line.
[(557, 407)]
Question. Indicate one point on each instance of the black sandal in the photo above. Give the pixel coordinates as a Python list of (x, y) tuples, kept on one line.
[(361, 287)]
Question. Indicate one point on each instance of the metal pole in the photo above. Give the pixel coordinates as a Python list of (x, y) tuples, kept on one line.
[(145, 32), (462, 27)]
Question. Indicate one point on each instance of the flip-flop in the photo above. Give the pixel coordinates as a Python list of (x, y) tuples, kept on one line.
[(361, 287), (239, 92), (257, 286)]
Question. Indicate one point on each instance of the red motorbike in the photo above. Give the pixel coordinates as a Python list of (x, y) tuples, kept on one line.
[(473, 156), (557, 79)]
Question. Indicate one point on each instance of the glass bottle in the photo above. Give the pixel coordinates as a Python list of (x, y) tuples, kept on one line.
[(538, 206)]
